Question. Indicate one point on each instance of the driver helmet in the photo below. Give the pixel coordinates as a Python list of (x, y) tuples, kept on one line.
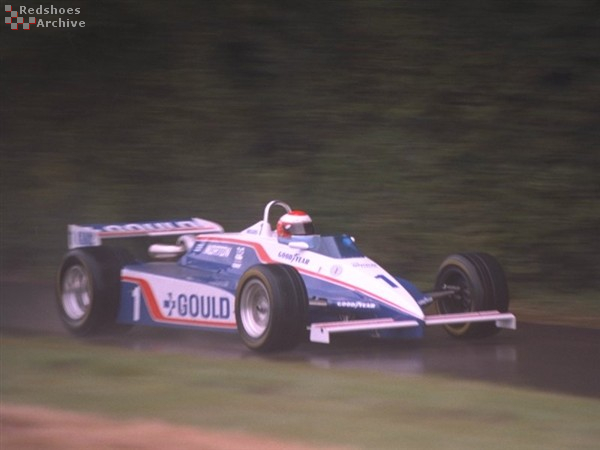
[(294, 223)]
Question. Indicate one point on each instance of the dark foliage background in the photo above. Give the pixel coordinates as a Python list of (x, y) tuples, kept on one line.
[(422, 128)]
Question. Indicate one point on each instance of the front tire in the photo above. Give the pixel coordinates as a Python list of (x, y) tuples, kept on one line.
[(271, 307), (479, 283), (88, 289)]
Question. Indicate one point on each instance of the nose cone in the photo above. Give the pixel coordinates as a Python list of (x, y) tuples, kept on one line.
[(374, 282), (399, 298)]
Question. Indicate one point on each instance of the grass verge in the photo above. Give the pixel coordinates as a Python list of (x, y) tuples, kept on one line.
[(291, 400)]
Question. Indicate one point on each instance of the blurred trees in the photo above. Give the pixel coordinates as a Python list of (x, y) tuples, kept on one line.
[(422, 129)]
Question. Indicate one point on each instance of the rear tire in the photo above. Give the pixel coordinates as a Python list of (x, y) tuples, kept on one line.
[(271, 307), (480, 285), (88, 289)]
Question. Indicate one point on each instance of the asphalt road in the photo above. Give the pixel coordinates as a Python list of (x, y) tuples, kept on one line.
[(546, 357)]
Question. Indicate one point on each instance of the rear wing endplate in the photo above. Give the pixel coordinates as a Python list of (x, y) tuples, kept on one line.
[(92, 235)]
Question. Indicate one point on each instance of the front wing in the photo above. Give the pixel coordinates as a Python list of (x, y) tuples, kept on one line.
[(320, 332)]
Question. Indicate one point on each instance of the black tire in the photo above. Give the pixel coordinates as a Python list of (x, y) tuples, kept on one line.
[(271, 307), (481, 286), (88, 289)]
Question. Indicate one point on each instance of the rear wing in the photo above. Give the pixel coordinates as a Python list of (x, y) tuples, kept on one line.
[(92, 235)]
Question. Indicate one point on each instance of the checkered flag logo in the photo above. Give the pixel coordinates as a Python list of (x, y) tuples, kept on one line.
[(13, 20)]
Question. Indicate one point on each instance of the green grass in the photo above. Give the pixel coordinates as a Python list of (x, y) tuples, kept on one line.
[(292, 400)]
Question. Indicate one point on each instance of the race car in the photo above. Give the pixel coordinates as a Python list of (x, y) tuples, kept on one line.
[(275, 286)]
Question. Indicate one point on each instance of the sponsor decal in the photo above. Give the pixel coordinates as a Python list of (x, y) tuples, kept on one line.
[(153, 226), (364, 265), (293, 258), (317, 301), (221, 251), (425, 301), (83, 237), (239, 257), (355, 305), (336, 270), (193, 306)]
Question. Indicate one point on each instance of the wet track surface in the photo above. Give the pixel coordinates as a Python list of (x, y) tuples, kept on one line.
[(545, 357)]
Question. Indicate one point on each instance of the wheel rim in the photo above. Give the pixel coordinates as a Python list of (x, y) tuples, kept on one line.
[(255, 308), (76, 299), (461, 301)]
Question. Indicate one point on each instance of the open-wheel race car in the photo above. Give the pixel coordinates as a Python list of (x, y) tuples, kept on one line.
[(274, 285)]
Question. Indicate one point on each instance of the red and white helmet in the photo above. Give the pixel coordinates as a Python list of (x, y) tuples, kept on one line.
[(293, 223)]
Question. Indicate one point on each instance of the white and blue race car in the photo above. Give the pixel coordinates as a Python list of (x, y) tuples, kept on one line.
[(274, 289)]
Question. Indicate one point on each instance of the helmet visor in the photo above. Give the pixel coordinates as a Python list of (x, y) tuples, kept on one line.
[(299, 229)]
